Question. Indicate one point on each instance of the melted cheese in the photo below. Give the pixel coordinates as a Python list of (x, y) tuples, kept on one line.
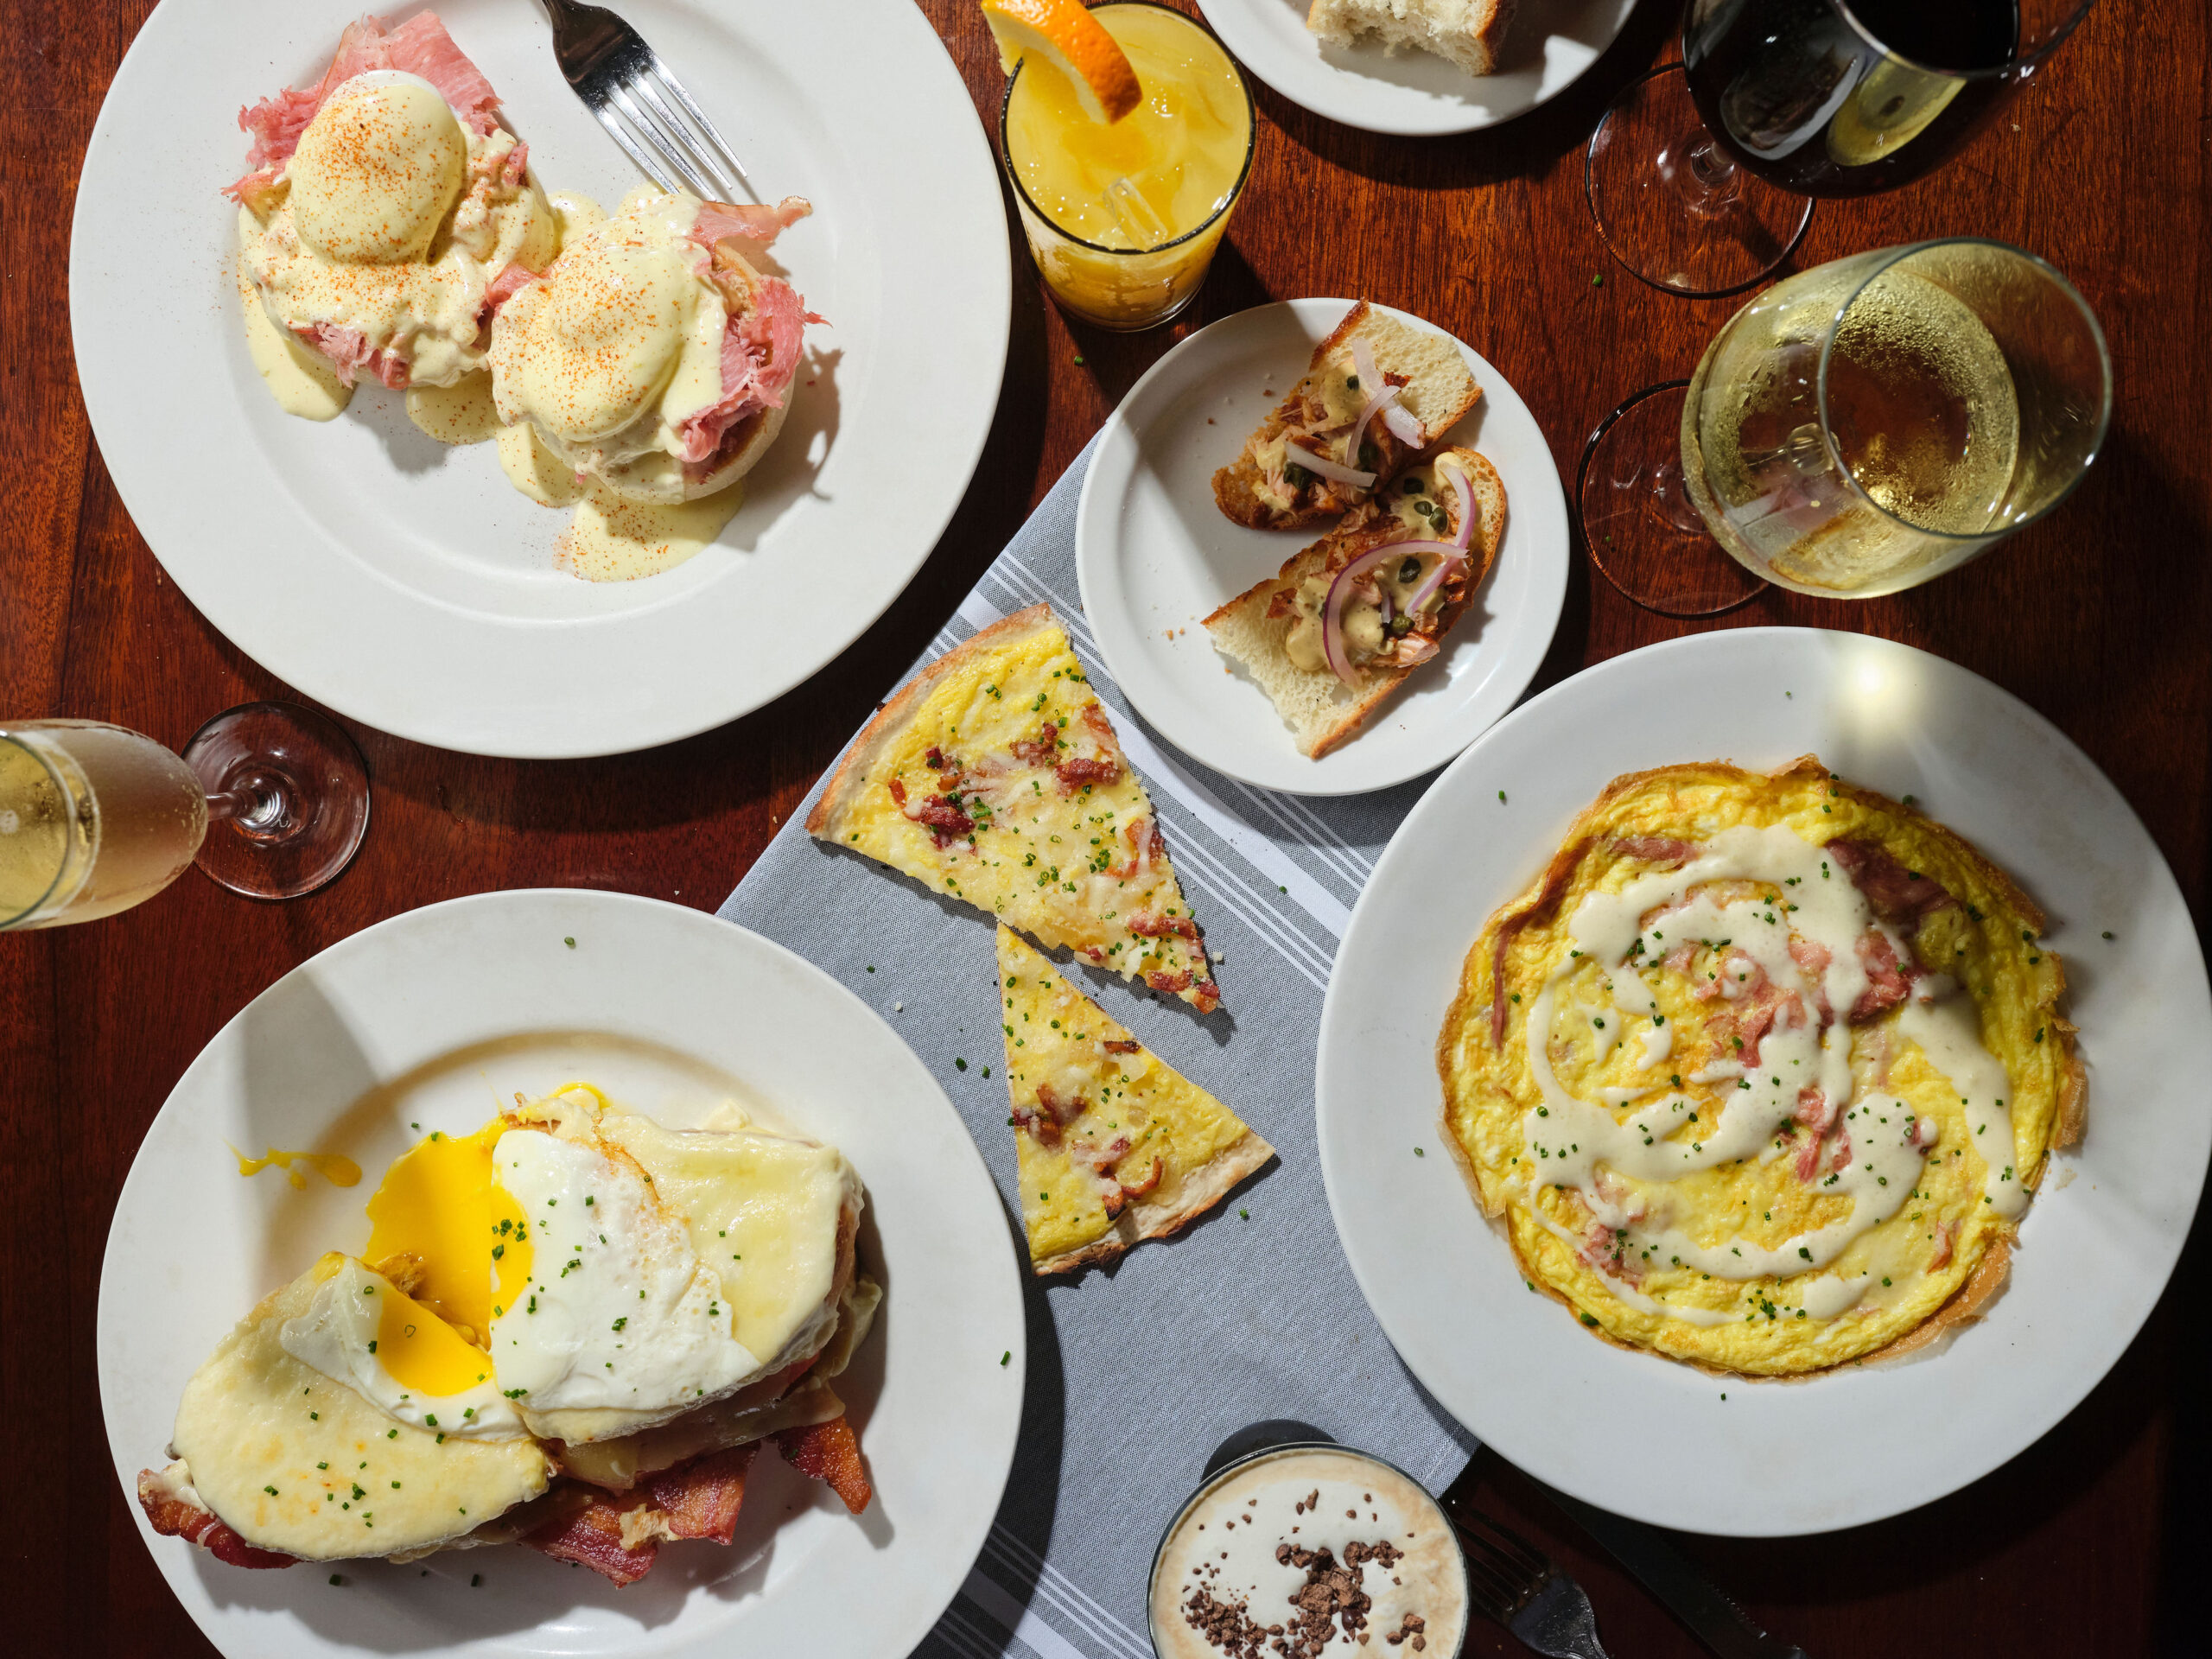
[(1056, 1042), (1069, 869)]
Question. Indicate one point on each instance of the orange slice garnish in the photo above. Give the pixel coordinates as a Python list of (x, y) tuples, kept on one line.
[(1064, 35)]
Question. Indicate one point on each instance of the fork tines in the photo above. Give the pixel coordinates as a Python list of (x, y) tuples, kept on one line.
[(644, 107), (1503, 1571)]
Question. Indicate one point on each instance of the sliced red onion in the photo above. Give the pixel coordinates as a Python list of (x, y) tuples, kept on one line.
[(1401, 422), (1332, 605), (1427, 590), (1466, 507), (1336, 471)]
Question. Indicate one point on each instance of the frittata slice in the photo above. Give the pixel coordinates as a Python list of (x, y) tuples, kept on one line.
[(994, 776), (1114, 1145)]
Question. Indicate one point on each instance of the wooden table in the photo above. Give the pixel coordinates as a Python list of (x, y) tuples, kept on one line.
[(2099, 618)]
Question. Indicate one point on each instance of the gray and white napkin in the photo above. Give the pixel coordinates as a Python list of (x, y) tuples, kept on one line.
[(1136, 1373)]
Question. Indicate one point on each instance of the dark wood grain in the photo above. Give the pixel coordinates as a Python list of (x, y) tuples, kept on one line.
[(2090, 1543)]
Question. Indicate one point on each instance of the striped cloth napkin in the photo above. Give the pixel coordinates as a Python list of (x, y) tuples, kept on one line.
[(1138, 1372)]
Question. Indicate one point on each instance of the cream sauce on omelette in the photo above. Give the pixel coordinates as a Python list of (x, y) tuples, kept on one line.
[(1804, 952)]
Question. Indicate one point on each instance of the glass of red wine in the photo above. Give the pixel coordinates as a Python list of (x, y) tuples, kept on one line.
[(1702, 178), (1703, 173)]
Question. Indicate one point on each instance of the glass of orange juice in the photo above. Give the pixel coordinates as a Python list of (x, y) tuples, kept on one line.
[(1123, 219)]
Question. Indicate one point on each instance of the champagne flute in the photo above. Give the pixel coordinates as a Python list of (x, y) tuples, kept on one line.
[(1856, 429), (270, 800), (1703, 173)]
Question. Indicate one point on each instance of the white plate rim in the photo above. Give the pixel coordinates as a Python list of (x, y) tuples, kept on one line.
[(971, 1205), (1536, 536), (1588, 1457), (681, 677), (1335, 94)]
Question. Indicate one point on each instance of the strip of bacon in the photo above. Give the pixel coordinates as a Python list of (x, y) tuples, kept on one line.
[(1898, 896), (172, 1516), (1079, 770), (1115, 1046), (756, 222), (700, 1498), (1149, 925), (830, 1452), (1655, 849), (1039, 749), (1146, 1184), (945, 822), (592, 1537)]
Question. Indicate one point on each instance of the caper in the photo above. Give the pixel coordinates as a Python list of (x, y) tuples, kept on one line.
[(1410, 486), (1351, 383), (1401, 625), (1410, 570), (1296, 476), (1368, 456)]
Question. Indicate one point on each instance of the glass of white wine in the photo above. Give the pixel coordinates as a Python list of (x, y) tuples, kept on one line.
[(269, 800), (1856, 429)]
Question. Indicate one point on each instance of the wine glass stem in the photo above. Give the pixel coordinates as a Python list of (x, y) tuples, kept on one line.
[(258, 803)]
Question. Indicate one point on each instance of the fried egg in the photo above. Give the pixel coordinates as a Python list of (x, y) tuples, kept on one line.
[(1762, 1072), (570, 1272)]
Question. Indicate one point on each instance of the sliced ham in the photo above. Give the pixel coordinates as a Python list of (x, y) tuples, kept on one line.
[(420, 46), (1815, 1110), (1941, 1258), (1655, 849), (756, 222), (760, 356), (504, 286), (1898, 896), (349, 353), (1888, 980)]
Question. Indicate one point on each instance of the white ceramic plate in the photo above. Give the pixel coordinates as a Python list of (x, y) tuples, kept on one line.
[(1154, 553), (437, 1017), (1644, 1436), (1549, 45), (409, 585)]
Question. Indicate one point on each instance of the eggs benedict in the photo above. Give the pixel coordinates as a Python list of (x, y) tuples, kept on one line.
[(387, 213), (653, 356), (571, 1329)]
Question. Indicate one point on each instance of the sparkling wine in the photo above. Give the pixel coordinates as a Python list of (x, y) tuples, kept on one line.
[(93, 819)]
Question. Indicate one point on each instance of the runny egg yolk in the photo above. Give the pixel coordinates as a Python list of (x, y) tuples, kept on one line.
[(424, 1354), (440, 1203)]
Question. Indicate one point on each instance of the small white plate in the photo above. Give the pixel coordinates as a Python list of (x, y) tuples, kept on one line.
[(1646, 1436), (409, 585), (1154, 554), (1417, 94), (437, 1018)]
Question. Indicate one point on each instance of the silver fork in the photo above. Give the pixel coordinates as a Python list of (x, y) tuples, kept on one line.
[(1513, 1583), (639, 101)]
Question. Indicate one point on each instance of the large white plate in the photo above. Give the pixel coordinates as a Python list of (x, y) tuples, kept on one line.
[(1549, 45), (1154, 554), (436, 1018), (1642, 1436), (409, 585)]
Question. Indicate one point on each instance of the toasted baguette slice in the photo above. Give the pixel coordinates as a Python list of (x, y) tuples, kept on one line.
[(1467, 32), (1114, 1145), (1439, 393), (1321, 710)]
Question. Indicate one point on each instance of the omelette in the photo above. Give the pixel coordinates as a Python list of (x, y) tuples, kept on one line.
[(571, 1329), (1114, 1146), (1762, 1072), (995, 778)]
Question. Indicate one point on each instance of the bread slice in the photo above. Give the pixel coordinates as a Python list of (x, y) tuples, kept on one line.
[(1467, 32), (1439, 393), (1114, 1145), (1322, 711)]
